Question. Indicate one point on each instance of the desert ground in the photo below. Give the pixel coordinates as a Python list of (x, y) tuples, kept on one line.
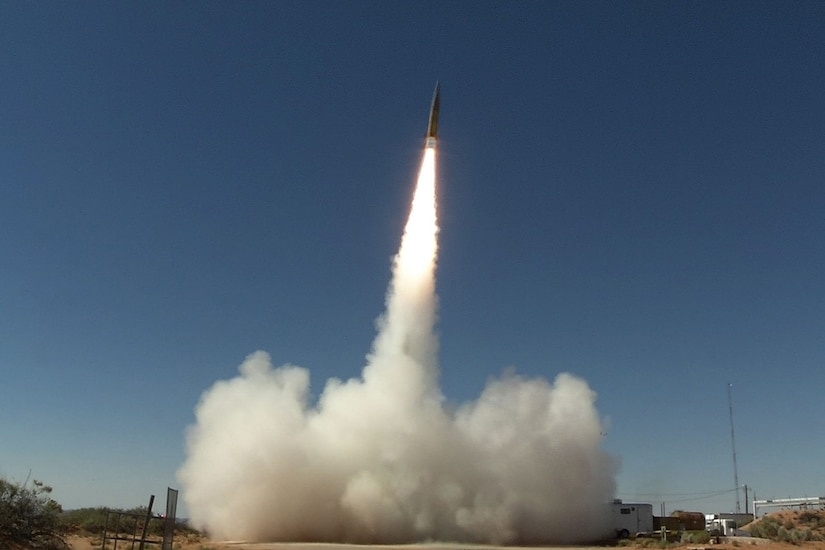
[(732, 543), (791, 519)]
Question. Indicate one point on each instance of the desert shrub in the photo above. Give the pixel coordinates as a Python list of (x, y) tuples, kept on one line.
[(808, 517), (813, 518), (696, 537), (92, 521), (29, 518), (87, 521), (793, 536), (766, 528)]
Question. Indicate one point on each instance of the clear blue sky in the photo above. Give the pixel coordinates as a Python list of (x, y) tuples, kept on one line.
[(630, 192)]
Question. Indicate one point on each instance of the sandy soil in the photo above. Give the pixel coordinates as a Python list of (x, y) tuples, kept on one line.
[(84, 543)]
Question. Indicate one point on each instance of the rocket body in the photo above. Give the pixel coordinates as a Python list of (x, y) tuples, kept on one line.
[(432, 125)]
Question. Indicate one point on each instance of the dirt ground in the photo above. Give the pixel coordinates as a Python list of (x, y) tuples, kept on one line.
[(812, 520), (737, 543)]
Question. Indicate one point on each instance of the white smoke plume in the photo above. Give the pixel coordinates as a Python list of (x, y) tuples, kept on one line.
[(380, 459)]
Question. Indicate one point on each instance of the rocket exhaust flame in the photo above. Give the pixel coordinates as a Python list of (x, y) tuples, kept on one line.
[(417, 254), (379, 459)]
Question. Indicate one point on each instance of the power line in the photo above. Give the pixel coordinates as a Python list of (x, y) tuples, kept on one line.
[(675, 498), (733, 447), (702, 494)]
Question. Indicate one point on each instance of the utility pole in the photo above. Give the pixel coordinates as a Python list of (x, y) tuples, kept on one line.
[(733, 447)]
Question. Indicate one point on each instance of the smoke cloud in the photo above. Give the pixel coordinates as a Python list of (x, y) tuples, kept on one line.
[(380, 459)]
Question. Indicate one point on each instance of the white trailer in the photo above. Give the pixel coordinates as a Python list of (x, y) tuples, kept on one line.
[(632, 518)]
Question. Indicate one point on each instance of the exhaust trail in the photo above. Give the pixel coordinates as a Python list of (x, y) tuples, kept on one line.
[(380, 458)]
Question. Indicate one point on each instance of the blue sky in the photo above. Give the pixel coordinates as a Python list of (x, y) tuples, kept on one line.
[(630, 192)]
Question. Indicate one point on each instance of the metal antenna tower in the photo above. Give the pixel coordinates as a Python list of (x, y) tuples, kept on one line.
[(733, 446)]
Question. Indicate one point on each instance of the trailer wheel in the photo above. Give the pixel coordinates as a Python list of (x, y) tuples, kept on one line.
[(624, 533)]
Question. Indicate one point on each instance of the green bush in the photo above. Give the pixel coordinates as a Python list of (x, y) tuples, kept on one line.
[(29, 518)]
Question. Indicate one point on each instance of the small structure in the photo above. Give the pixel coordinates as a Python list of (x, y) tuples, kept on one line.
[(690, 521), (725, 527), (805, 503), (632, 518), (670, 524)]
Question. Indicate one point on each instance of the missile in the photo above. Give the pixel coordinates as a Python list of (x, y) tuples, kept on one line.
[(432, 126)]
